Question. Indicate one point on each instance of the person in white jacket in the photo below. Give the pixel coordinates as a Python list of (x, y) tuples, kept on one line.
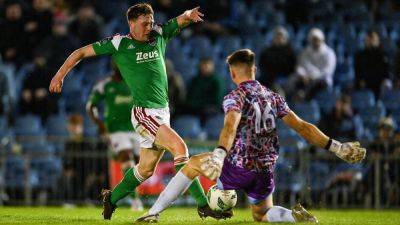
[(316, 64)]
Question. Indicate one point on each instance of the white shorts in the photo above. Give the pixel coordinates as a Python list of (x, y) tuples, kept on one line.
[(124, 140), (146, 122)]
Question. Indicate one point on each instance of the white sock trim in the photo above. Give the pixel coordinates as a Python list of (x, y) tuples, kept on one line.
[(277, 214), (137, 174)]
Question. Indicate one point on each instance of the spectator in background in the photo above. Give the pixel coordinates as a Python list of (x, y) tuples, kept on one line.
[(371, 64), (278, 60), (13, 39), (58, 45), (384, 142), (176, 88), (35, 97), (340, 122), (206, 91), (39, 22), (61, 9), (87, 25), (316, 64)]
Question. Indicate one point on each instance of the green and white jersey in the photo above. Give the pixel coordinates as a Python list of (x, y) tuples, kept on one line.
[(118, 104), (142, 64)]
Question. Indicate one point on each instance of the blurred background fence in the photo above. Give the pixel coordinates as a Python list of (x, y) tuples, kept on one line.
[(41, 175)]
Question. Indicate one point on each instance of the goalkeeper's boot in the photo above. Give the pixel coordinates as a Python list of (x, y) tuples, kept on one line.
[(148, 218), (300, 214), (108, 207), (206, 211)]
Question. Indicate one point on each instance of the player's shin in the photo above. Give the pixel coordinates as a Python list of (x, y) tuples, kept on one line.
[(178, 185), (128, 184), (195, 189)]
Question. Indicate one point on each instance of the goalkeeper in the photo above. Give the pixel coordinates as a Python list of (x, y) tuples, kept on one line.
[(249, 147)]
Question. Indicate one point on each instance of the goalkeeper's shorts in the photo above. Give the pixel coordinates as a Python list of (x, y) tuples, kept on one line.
[(257, 185)]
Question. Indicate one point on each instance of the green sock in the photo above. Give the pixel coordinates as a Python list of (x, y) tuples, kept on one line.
[(127, 185), (195, 189), (133, 194)]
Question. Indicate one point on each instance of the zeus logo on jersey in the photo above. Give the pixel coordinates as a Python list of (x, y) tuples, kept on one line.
[(147, 56), (122, 99)]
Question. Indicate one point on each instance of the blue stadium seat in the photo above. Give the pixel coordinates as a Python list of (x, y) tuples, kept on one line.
[(3, 123), (371, 115), (48, 170), (283, 129), (214, 125), (40, 147), (257, 42), (309, 111), (396, 115), (27, 125), (56, 125), (14, 172), (187, 67), (391, 99), (229, 44), (344, 74), (75, 102), (89, 128), (200, 46), (292, 142), (362, 99), (287, 178), (319, 176), (188, 126), (326, 99)]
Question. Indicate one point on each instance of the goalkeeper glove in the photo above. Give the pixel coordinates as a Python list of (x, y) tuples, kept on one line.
[(350, 152)]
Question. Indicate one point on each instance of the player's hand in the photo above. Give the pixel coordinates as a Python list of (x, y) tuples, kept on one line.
[(212, 164), (56, 84), (194, 15), (351, 152)]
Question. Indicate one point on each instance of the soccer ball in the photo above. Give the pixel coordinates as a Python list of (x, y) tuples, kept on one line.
[(221, 200)]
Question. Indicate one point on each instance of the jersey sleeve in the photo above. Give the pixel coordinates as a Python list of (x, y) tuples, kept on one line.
[(107, 46), (233, 102), (281, 106), (170, 29)]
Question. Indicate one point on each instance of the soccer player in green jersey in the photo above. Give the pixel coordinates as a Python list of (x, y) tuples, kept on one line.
[(140, 56), (116, 126)]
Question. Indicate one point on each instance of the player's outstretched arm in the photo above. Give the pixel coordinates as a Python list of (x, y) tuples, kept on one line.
[(351, 152), (189, 16), (212, 166), (73, 59)]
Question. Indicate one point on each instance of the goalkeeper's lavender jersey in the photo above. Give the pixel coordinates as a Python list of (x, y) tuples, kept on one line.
[(142, 64), (256, 145)]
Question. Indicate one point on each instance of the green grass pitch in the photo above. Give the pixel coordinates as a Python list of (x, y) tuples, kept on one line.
[(178, 216)]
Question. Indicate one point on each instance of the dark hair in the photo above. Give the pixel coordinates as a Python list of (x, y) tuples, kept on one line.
[(242, 56), (139, 10)]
